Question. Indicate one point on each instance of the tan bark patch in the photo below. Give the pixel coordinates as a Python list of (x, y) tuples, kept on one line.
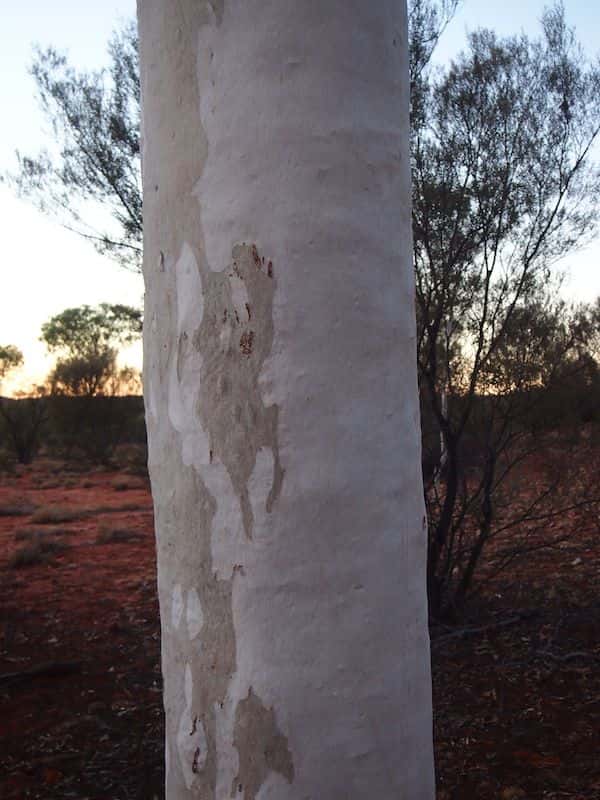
[(212, 655), (235, 338), (261, 746)]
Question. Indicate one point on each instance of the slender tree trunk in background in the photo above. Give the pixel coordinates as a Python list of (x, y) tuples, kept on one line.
[(281, 399)]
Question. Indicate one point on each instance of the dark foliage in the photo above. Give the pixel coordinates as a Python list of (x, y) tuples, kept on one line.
[(504, 186)]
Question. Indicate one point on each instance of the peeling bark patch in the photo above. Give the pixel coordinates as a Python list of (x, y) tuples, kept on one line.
[(230, 405), (214, 665), (261, 746), (211, 662)]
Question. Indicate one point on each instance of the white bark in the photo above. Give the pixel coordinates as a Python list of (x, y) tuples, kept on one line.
[(280, 381)]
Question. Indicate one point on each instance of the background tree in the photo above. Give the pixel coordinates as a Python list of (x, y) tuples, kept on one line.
[(427, 21), (504, 186), (86, 340), (10, 358), (85, 417), (90, 179)]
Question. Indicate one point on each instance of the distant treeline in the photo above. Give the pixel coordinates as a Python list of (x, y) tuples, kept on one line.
[(569, 406), (92, 428), (62, 426)]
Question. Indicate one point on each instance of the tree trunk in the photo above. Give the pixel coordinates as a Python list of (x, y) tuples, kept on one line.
[(281, 399)]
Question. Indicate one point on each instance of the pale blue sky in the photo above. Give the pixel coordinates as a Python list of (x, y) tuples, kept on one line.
[(45, 268), (513, 16)]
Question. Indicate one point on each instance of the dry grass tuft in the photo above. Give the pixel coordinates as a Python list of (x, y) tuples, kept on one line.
[(33, 534), (38, 551), (52, 515), (17, 508), (126, 484), (110, 535), (96, 510), (49, 483)]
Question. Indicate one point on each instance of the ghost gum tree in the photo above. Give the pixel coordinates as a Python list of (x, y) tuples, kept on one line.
[(281, 397)]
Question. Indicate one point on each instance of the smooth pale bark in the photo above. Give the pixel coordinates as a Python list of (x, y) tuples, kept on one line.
[(281, 399)]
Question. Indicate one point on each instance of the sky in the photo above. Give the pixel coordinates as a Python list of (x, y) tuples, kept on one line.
[(45, 268)]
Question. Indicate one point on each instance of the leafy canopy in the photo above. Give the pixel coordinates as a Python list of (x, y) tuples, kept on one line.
[(90, 331), (10, 358), (87, 339)]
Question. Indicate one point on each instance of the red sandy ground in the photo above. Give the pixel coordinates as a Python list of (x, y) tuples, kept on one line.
[(516, 691)]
